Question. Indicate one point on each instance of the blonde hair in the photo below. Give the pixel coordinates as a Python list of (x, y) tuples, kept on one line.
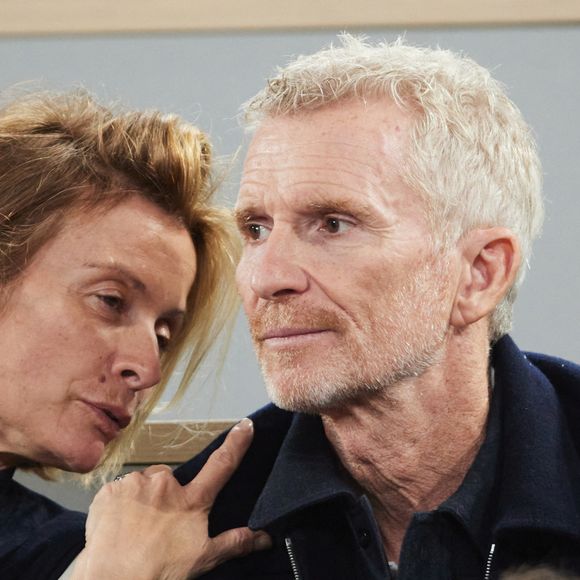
[(471, 156), (61, 153)]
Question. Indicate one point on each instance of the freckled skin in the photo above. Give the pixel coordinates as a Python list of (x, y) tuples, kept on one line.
[(83, 325), (354, 317), (371, 286)]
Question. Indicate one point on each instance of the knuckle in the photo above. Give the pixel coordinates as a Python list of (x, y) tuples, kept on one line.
[(106, 489), (242, 542), (201, 495), (239, 543), (223, 456), (156, 469)]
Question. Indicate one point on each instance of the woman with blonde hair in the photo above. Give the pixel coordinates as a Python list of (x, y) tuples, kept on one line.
[(114, 266)]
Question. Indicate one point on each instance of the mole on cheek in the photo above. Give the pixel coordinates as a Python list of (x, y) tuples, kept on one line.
[(102, 379)]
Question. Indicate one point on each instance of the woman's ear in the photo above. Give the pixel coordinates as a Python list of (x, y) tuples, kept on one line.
[(490, 262)]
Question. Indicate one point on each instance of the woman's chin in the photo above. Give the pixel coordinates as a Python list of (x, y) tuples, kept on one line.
[(82, 460)]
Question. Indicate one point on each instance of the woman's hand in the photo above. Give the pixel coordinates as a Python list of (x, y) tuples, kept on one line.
[(148, 526)]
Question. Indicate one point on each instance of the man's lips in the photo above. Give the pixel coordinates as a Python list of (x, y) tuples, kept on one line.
[(287, 334)]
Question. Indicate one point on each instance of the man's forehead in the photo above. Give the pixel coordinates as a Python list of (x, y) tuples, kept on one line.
[(356, 133)]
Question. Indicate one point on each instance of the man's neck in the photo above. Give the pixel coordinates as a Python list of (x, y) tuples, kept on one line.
[(410, 447)]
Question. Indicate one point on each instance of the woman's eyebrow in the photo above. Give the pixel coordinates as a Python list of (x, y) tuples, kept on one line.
[(176, 314), (120, 270)]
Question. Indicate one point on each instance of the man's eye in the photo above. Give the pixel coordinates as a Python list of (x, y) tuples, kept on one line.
[(257, 231), (334, 225), (112, 302)]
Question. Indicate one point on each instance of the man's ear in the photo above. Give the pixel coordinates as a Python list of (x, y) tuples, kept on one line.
[(490, 261)]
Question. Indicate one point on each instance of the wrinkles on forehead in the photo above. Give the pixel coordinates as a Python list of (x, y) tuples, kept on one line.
[(344, 160)]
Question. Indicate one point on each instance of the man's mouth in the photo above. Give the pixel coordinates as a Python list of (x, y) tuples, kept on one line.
[(283, 338)]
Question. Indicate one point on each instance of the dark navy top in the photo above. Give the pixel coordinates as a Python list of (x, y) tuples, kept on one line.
[(38, 537), (518, 504)]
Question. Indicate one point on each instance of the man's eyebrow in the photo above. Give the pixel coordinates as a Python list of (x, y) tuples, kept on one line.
[(318, 204), (243, 214), (324, 205)]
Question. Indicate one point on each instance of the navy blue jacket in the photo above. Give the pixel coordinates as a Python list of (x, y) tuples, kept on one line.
[(38, 538), (519, 502)]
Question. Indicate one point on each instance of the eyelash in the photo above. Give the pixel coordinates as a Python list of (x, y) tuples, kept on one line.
[(339, 221), (252, 230), (118, 304), (112, 302), (251, 233), (163, 342)]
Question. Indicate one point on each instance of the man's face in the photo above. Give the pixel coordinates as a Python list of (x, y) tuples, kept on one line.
[(82, 330), (338, 279)]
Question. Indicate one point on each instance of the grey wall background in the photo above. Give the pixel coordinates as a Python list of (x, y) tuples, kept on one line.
[(205, 77)]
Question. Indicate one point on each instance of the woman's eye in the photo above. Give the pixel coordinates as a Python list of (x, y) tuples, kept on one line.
[(112, 302), (163, 337), (163, 342)]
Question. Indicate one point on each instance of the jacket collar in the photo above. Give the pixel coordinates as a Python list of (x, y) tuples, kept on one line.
[(7, 474), (526, 474), (306, 472), (540, 481)]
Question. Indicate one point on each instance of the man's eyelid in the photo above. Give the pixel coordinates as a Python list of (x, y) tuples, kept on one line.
[(346, 220), (264, 225), (248, 215), (341, 217)]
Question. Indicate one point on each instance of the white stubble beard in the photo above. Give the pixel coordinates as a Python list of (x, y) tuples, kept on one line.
[(401, 345)]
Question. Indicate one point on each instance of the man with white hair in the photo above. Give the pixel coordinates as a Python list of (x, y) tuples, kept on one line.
[(388, 204)]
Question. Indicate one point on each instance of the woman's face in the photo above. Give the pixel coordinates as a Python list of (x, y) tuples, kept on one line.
[(82, 331)]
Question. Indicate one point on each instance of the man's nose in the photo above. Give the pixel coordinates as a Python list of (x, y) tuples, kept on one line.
[(276, 268), (137, 362)]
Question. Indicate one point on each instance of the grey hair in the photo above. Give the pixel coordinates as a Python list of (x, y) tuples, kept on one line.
[(471, 156)]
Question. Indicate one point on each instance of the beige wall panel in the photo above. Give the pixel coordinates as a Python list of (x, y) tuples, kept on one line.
[(19, 17), (175, 442)]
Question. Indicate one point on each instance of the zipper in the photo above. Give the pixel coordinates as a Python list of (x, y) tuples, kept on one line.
[(488, 563), (293, 564)]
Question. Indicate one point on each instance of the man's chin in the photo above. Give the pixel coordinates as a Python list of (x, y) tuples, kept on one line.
[(297, 406), (310, 399)]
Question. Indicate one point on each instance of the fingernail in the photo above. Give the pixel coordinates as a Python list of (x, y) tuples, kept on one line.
[(262, 541), (245, 424)]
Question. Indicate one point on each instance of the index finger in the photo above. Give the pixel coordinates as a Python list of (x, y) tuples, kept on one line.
[(221, 465)]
